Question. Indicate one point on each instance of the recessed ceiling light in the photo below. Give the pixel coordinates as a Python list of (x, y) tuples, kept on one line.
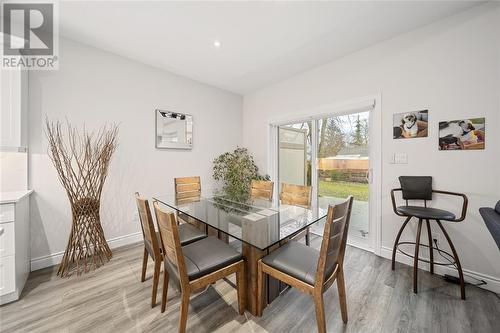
[(217, 43)]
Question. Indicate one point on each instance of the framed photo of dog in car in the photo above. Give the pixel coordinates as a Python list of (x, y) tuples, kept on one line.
[(462, 134), (409, 125)]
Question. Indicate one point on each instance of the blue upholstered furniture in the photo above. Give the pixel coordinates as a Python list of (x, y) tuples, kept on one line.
[(491, 217)]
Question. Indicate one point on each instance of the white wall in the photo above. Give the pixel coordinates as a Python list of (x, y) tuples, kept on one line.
[(93, 87), (452, 68), (13, 171)]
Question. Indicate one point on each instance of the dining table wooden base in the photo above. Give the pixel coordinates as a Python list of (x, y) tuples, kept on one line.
[(252, 255), (271, 288)]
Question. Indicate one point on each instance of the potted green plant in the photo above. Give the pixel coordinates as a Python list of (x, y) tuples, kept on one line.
[(236, 170)]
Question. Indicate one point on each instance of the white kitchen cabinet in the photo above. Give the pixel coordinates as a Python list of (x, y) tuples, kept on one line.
[(14, 244), (14, 109)]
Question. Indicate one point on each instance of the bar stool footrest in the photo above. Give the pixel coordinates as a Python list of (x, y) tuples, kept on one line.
[(425, 260)]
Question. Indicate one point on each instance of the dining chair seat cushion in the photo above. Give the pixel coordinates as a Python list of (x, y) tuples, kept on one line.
[(208, 255), (426, 212), (189, 233), (297, 260)]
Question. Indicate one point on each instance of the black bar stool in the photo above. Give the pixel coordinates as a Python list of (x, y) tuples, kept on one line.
[(420, 188)]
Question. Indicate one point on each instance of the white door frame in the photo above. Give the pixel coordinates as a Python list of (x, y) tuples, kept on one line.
[(372, 103)]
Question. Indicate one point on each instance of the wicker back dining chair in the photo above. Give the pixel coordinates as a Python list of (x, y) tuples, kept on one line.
[(151, 245), (293, 264), (196, 265), (188, 189), (262, 189), (297, 195)]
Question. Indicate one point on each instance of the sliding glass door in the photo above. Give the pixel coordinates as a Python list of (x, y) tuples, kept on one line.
[(332, 154), (343, 167), (294, 154)]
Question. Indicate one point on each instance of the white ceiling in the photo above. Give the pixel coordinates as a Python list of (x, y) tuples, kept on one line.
[(262, 42)]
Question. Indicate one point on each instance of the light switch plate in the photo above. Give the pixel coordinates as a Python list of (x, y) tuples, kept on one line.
[(400, 158)]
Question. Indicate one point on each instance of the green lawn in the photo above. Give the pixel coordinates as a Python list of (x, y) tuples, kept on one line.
[(341, 189)]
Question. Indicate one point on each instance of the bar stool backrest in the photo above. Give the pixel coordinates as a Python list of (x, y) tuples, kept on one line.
[(416, 187)]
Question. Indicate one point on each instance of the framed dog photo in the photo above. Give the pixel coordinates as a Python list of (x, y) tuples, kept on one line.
[(409, 125), (462, 134)]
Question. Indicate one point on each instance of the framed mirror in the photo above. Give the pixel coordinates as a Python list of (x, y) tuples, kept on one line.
[(174, 130)]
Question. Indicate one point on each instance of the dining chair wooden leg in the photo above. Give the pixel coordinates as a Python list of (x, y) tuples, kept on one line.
[(164, 289), (431, 246), (144, 264), (320, 311), (184, 311), (260, 281), (415, 259), (156, 278), (394, 249), (240, 284), (342, 294)]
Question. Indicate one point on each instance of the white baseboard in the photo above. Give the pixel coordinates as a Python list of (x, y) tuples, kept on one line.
[(492, 283), (352, 241), (11, 297), (55, 258)]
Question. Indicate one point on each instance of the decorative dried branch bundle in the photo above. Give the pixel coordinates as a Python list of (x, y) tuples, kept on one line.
[(82, 161)]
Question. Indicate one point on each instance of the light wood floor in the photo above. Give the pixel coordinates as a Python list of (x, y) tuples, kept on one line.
[(112, 299)]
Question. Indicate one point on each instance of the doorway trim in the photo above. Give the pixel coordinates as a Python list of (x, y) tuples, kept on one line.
[(365, 103)]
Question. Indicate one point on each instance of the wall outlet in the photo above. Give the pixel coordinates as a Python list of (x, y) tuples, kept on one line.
[(436, 238), (400, 158)]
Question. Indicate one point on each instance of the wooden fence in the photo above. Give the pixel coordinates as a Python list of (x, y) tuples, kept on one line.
[(350, 170), (343, 164)]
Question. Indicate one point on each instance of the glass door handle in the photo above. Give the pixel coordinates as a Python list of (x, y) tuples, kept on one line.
[(369, 176)]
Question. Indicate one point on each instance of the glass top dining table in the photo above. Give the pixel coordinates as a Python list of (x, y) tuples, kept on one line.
[(258, 222)]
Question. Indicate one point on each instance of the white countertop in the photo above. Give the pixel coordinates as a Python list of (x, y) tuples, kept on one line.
[(13, 197)]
